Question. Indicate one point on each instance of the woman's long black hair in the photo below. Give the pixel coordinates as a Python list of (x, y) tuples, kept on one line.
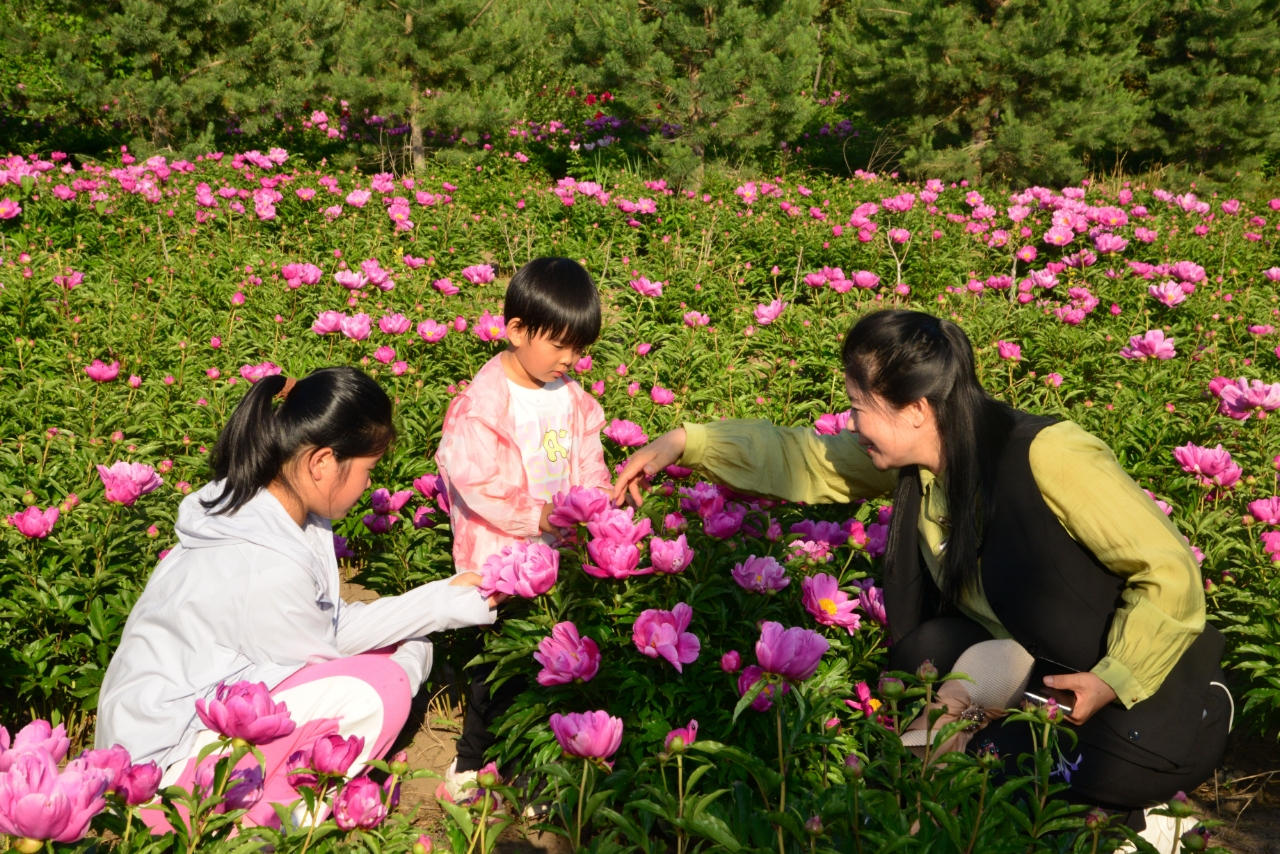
[(902, 356), (339, 408)]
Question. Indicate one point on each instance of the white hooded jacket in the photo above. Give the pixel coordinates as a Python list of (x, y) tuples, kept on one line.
[(251, 596)]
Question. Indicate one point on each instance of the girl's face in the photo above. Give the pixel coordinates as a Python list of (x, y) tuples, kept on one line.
[(892, 437), (539, 359), (351, 479)]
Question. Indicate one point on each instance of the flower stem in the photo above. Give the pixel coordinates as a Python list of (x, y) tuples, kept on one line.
[(782, 770), (582, 793)]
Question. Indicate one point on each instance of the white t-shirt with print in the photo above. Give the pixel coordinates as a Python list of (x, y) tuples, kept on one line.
[(544, 433)]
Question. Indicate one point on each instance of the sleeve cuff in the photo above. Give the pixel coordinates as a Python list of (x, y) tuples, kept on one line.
[(695, 445), (1121, 680)]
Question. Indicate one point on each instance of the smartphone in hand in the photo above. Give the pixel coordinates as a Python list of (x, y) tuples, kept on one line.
[(1040, 694)]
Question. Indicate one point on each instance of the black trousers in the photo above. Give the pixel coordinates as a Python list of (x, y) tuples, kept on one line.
[(1100, 777), (483, 708)]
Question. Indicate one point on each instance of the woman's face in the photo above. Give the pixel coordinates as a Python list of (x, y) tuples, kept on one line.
[(893, 437)]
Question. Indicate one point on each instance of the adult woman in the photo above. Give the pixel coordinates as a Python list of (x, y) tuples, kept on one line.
[(1026, 528)]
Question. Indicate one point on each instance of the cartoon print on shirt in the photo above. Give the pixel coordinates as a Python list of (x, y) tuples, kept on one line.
[(551, 443)]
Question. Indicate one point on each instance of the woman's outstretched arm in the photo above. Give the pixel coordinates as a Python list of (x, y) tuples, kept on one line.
[(761, 458)]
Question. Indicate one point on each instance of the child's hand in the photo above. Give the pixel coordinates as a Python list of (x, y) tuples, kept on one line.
[(663, 451), (544, 522), (472, 579)]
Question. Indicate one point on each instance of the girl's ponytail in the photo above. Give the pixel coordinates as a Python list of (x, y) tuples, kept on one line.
[(338, 408)]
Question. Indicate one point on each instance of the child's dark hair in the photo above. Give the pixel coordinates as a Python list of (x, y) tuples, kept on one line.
[(339, 408), (555, 296)]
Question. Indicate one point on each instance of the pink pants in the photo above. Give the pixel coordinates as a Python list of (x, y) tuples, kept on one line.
[(364, 695)]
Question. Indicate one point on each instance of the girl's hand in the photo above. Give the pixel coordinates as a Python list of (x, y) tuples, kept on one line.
[(663, 451), (1091, 693), (472, 579), (544, 522)]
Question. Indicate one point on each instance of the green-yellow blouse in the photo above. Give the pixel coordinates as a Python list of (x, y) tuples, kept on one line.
[(1098, 504)]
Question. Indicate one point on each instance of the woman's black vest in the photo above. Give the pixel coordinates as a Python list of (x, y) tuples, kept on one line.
[(1057, 600)]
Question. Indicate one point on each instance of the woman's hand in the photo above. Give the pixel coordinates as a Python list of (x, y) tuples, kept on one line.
[(472, 579), (1091, 693), (648, 461)]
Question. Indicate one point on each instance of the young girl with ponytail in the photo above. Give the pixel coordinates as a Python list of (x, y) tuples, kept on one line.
[(251, 593)]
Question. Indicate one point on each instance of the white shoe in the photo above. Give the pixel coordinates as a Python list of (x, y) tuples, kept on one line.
[(1159, 832)]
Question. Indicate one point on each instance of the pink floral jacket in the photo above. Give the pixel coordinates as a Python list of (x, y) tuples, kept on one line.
[(489, 502)]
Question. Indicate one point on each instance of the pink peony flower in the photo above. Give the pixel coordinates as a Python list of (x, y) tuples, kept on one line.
[(139, 783), (328, 322), (350, 279), (831, 425), (646, 288), (791, 653), (245, 711), (1150, 345), (394, 324), (731, 661), (670, 556), (100, 373), (831, 533), (628, 434), (1266, 510), (446, 287), (871, 598), (490, 328), (1059, 235), (1009, 351), (566, 657), (662, 396), (767, 314), (127, 482), (358, 198), (479, 274), (613, 559), (589, 735), (522, 569), (36, 737), (1211, 466), (662, 633), (578, 506), (34, 523), (582, 365), (360, 803), (694, 319), (760, 575), (1243, 397), (1168, 293), (764, 700), (724, 523), (384, 502), (38, 803), (253, 373), (357, 326), (432, 332), (828, 604), (333, 755), (413, 263), (679, 739), (384, 354)]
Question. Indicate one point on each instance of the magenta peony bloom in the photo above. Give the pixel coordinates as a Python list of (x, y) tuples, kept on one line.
[(566, 657), (431, 332), (589, 735), (828, 604), (127, 482), (34, 523), (694, 319), (832, 425), (662, 633), (359, 804), (767, 314), (350, 279), (662, 396), (394, 324), (35, 736), (100, 373), (731, 661), (761, 575), (1211, 466), (301, 274), (1167, 293), (357, 326), (428, 485), (340, 548), (678, 739), (613, 559), (333, 755), (446, 287), (831, 533), (38, 803), (253, 373), (792, 653), (358, 199), (112, 761), (9, 208), (246, 711), (872, 600), (1059, 235), (1106, 242), (1266, 510), (764, 701), (414, 263), (578, 506), (385, 503), (1243, 398), (646, 288), (378, 523), (328, 322), (479, 274), (670, 556), (628, 434), (619, 524), (1150, 345), (139, 783), (1009, 351), (521, 569), (725, 523), (490, 328)]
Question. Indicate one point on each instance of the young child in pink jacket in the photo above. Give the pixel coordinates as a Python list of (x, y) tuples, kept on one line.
[(521, 432)]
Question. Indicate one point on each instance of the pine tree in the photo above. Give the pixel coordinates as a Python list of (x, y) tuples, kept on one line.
[(1214, 79), (707, 77), (1025, 90)]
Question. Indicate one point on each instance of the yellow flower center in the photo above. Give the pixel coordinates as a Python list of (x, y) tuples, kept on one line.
[(828, 606)]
